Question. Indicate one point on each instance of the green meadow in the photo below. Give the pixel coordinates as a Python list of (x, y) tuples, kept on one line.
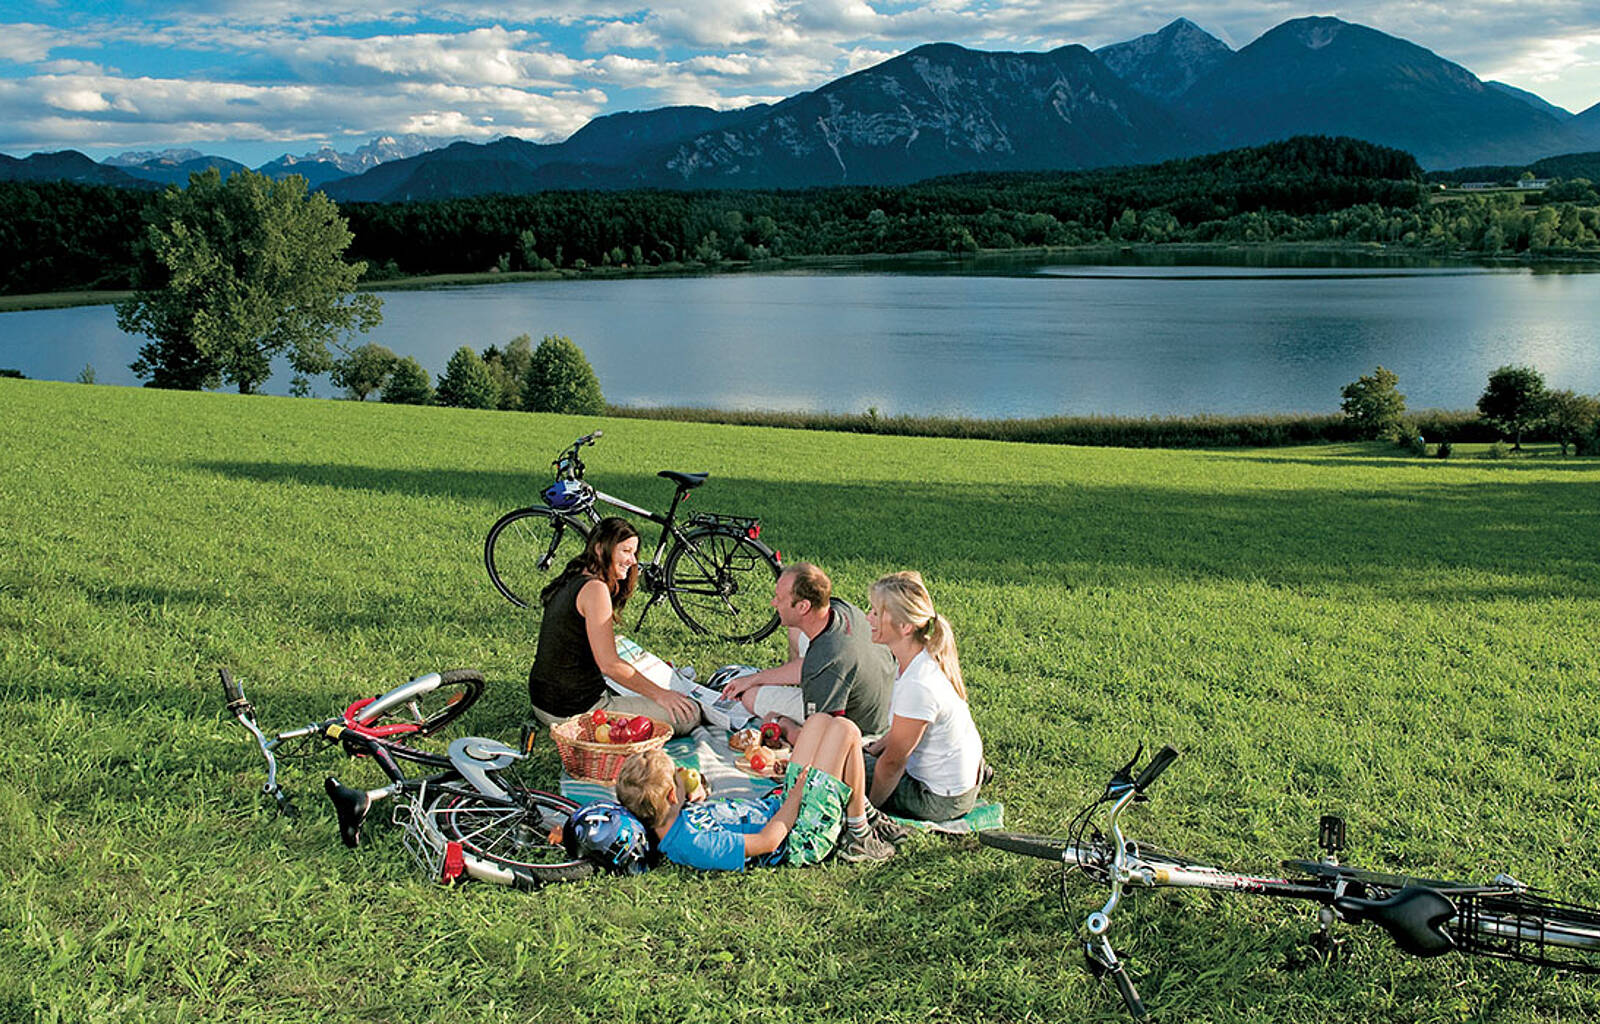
[(1413, 644)]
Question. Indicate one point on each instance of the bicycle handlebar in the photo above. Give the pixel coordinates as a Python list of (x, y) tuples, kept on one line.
[(230, 689), (1152, 771)]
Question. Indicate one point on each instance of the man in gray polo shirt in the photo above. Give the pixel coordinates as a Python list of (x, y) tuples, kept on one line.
[(833, 667)]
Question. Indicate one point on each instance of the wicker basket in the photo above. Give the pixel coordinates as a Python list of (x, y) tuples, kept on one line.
[(588, 761)]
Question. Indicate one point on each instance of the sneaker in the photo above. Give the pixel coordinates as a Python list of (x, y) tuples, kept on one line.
[(857, 849), (886, 828)]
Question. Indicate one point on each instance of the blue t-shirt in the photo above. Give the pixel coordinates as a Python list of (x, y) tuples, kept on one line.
[(709, 835)]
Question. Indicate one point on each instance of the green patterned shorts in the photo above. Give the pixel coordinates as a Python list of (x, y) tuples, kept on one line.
[(821, 817)]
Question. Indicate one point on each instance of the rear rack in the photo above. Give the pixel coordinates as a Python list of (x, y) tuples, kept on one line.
[(747, 525)]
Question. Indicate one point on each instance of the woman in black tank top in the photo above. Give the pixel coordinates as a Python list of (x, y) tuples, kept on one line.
[(577, 636)]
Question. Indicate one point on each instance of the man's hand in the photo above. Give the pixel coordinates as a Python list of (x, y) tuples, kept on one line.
[(738, 687)]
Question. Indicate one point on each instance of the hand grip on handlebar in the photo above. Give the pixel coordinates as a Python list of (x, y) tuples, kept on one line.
[(230, 689), (1152, 771)]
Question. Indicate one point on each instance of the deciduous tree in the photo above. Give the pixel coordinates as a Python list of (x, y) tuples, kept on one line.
[(363, 371), (1373, 405), (408, 384), (1570, 416), (467, 382), (1513, 401), (560, 379), (233, 273)]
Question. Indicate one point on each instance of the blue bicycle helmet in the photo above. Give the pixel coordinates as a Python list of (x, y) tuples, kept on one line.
[(608, 834), (566, 495)]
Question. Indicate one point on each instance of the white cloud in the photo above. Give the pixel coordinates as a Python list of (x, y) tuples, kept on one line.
[(27, 43), (541, 71)]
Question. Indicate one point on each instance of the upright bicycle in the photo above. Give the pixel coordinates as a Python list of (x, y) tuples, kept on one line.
[(1425, 917), (468, 817), (713, 569)]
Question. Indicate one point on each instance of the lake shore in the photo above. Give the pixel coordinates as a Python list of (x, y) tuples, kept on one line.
[(989, 261)]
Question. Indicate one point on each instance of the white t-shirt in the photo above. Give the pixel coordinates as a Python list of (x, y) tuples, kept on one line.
[(947, 758)]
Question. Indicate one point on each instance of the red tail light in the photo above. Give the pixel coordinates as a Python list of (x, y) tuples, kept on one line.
[(454, 864)]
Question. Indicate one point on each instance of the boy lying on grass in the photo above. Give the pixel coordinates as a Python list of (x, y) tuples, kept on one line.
[(823, 795)]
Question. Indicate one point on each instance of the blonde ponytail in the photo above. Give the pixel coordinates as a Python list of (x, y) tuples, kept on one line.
[(941, 647)]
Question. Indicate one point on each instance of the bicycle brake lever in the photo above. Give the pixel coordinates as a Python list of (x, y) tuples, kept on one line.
[(1123, 777)]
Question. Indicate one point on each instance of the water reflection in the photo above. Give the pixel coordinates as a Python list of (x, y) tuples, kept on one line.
[(993, 338)]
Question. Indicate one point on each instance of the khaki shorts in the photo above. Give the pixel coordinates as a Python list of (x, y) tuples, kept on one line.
[(780, 700), (911, 799)]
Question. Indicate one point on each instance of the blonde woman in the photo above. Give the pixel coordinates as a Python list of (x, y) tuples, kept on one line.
[(928, 764)]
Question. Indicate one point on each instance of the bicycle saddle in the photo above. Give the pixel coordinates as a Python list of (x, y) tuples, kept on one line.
[(1414, 917), (687, 481), (351, 805)]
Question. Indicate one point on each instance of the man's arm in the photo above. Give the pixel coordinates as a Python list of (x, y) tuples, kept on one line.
[(787, 674)]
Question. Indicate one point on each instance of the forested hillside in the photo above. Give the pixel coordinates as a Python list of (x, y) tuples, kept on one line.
[(1309, 189)]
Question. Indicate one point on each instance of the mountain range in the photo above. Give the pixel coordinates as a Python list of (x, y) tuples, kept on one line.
[(942, 109)]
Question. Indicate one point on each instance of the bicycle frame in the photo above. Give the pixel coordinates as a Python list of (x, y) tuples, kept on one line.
[(357, 719), (699, 563), (1424, 917), (468, 771)]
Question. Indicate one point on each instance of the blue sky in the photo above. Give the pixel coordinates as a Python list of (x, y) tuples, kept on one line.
[(252, 79)]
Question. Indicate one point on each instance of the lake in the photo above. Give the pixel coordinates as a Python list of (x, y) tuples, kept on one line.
[(998, 340)]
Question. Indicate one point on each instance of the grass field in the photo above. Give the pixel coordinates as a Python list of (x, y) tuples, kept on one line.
[(1411, 643)]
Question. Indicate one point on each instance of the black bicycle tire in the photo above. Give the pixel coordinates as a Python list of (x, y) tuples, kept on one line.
[(499, 563), (763, 595), (491, 830), (458, 690), (1051, 848)]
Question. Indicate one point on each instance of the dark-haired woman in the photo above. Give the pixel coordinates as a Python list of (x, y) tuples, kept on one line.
[(578, 643)]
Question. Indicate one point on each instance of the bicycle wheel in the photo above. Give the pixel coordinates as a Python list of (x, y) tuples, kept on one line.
[(1051, 848), (720, 581), (417, 708), (525, 546), (508, 842)]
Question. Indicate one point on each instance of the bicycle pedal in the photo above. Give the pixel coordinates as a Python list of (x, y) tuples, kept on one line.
[(529, 736)]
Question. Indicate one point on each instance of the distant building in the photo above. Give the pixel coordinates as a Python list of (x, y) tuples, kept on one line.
[(1478, 186), (1534, 183)]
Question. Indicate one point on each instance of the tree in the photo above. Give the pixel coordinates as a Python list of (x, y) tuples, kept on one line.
[(467, 382), (363, 371), (1373, 406), (509, 367), (1513, 401), (234, 273), (560, 379), (1570, 416), (408, 384)]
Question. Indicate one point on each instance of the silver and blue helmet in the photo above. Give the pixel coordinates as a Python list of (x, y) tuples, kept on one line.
[(608, 834)]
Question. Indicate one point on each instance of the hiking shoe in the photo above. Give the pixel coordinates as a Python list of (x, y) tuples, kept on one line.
[(886, 828), (857, 849)]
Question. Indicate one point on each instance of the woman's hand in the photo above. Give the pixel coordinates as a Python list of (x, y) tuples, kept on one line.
[(680, 707)]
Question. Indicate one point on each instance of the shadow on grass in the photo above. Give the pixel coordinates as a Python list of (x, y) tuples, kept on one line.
[(1511, 536)]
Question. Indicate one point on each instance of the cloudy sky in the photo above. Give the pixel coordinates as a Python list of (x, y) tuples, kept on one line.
[(252, 79)]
